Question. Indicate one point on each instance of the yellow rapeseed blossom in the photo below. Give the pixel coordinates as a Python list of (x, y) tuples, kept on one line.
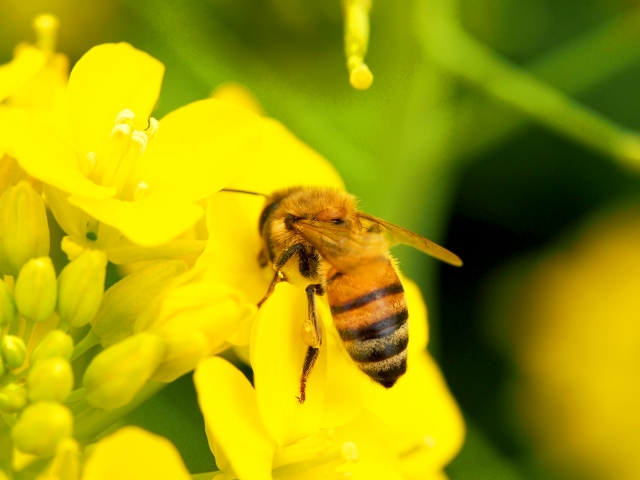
[(124, 173), (576, 337)]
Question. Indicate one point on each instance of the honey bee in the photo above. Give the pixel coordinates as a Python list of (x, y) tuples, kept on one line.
[(317, 238)]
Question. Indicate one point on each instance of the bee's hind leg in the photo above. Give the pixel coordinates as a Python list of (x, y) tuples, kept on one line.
[(312, 336)]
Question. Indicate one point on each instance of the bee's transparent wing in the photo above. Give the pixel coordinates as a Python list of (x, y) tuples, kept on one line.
[(345, 248), (395, 234)]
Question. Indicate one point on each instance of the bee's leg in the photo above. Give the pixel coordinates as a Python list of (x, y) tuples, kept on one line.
[(312, 336), (311, 330), (309, 361), (279, 276)]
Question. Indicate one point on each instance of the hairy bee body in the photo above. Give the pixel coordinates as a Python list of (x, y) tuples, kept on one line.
[(371, 317), (318, 239), (368, 308)]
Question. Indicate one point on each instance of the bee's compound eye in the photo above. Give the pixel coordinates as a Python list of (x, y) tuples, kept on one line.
[(338, 221)]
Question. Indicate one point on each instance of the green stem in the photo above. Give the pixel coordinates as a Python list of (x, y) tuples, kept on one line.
[(8, 418), (75, 395), (28, 331), (467, 58), (608, 50), (91, 422), (91, 340)]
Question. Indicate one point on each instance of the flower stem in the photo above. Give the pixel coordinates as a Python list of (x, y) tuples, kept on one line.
[(28, 331), (92, 421), (91, 340), (75, 395), (462, 55), (8, 418)]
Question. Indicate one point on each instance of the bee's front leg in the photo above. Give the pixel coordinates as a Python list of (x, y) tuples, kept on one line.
[(280, 262), (312, 336)]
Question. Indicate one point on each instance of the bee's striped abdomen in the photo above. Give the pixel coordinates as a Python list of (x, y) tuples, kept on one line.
[(370, 314)]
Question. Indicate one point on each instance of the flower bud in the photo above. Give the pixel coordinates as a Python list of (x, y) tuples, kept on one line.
[(41, 427), (115, 375), (36, 289), (13, 398), (80, 288), (8, 310), (123, 302), (211, 308), (50, 379), (24, 233), (183, 350), (13, 351), (66, 463), (54, 344)]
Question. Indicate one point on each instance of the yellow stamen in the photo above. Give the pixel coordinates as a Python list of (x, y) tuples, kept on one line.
[(46, 27), (356, 39)]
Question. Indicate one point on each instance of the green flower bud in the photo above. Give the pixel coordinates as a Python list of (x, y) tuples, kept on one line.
[(54, 344), (183, 350), (13, 351), (36, 289), (13, 398), (80, 288), (119, 372), (41, 427), (24, 233), (123, 302), (8, 310), (50, 379)]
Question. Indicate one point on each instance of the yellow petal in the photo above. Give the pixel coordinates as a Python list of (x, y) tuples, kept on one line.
[(277, 356), (123, 251), (131, 454), (376, 457), (418, 323), (425, 423), (284, 161), (45, 156), (149, 222), (200, 148), (231, 254), (232, 421), (23, 67), (106, 80), (343, 392), (238, 95)]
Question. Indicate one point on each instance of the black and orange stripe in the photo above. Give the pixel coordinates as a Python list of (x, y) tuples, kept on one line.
[(370, 314)]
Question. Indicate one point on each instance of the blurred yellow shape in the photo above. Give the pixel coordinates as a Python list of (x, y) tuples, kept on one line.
[(576, 335)]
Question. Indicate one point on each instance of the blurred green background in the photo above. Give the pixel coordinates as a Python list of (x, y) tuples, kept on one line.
[(493, 151)]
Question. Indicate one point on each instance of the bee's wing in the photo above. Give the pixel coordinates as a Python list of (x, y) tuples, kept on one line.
[(346, 249), (395, 234)]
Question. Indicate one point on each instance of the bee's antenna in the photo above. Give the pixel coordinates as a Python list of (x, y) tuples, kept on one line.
[(243, 191)]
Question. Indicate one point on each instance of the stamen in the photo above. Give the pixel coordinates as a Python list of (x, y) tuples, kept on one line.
[(140, 140), (141, 191), (46, 27), (152, 128), (88, 164), (125, 116), (350, 452), (120, 130), (356, 39)]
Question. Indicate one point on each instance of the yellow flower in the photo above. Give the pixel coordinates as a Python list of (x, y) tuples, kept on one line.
[(124, 173), (576, 337)]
